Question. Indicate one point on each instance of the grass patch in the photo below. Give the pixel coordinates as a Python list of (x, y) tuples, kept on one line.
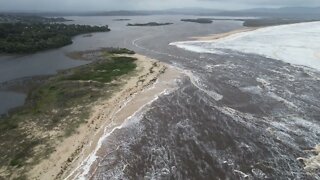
[(105, 71), (118, 51)]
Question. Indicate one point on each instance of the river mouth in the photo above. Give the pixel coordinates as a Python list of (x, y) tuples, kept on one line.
[(235, 115), (15, 68)]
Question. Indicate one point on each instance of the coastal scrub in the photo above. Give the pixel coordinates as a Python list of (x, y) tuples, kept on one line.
[(56, 108)]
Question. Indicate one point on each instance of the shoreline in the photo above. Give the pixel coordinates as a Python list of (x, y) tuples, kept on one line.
[(85, 161), (152, 79), (311, 163), (213, 37), (210, 38)]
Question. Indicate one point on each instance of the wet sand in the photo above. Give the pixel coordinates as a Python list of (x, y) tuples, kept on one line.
[(151, 79)]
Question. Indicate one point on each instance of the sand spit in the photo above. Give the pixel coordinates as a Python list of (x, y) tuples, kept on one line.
[(222, 35), (151, 79)]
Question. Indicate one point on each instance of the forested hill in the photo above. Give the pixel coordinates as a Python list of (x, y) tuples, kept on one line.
[(30, 36), (29, 18)]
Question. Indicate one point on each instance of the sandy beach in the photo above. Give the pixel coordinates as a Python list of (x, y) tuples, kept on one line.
[(222, 35), (151, 79)]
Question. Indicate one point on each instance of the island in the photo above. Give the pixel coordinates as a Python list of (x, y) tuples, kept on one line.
[(32, 37), (199, 20), (122, 20), (150, 24)]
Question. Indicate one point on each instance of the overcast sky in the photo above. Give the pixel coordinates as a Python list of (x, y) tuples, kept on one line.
[(90, 5)]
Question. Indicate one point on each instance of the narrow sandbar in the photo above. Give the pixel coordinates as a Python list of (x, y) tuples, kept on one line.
[(222, 35)]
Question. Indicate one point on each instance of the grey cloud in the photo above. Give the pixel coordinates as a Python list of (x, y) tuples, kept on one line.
[(271, 2)]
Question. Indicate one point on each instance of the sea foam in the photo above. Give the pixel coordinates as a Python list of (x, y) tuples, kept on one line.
[(297, 44)]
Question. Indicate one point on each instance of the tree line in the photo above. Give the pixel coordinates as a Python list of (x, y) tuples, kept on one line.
[(29, 38)]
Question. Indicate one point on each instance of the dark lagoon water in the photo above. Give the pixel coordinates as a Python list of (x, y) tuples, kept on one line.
[(17, 67), (10, 100), (233, 116)]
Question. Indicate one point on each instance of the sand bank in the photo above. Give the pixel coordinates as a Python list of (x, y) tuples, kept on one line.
[(150, 80), (222, 35)]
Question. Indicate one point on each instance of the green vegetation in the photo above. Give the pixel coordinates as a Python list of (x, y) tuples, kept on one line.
[(29, 19), (199, 20), (105, 71), (55, 109), (95, 53), (150, 24), (118, 51), (29, 38)]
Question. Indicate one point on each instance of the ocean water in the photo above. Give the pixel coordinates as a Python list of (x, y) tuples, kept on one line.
[(296, 44), (233, 116), (258, 130)]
